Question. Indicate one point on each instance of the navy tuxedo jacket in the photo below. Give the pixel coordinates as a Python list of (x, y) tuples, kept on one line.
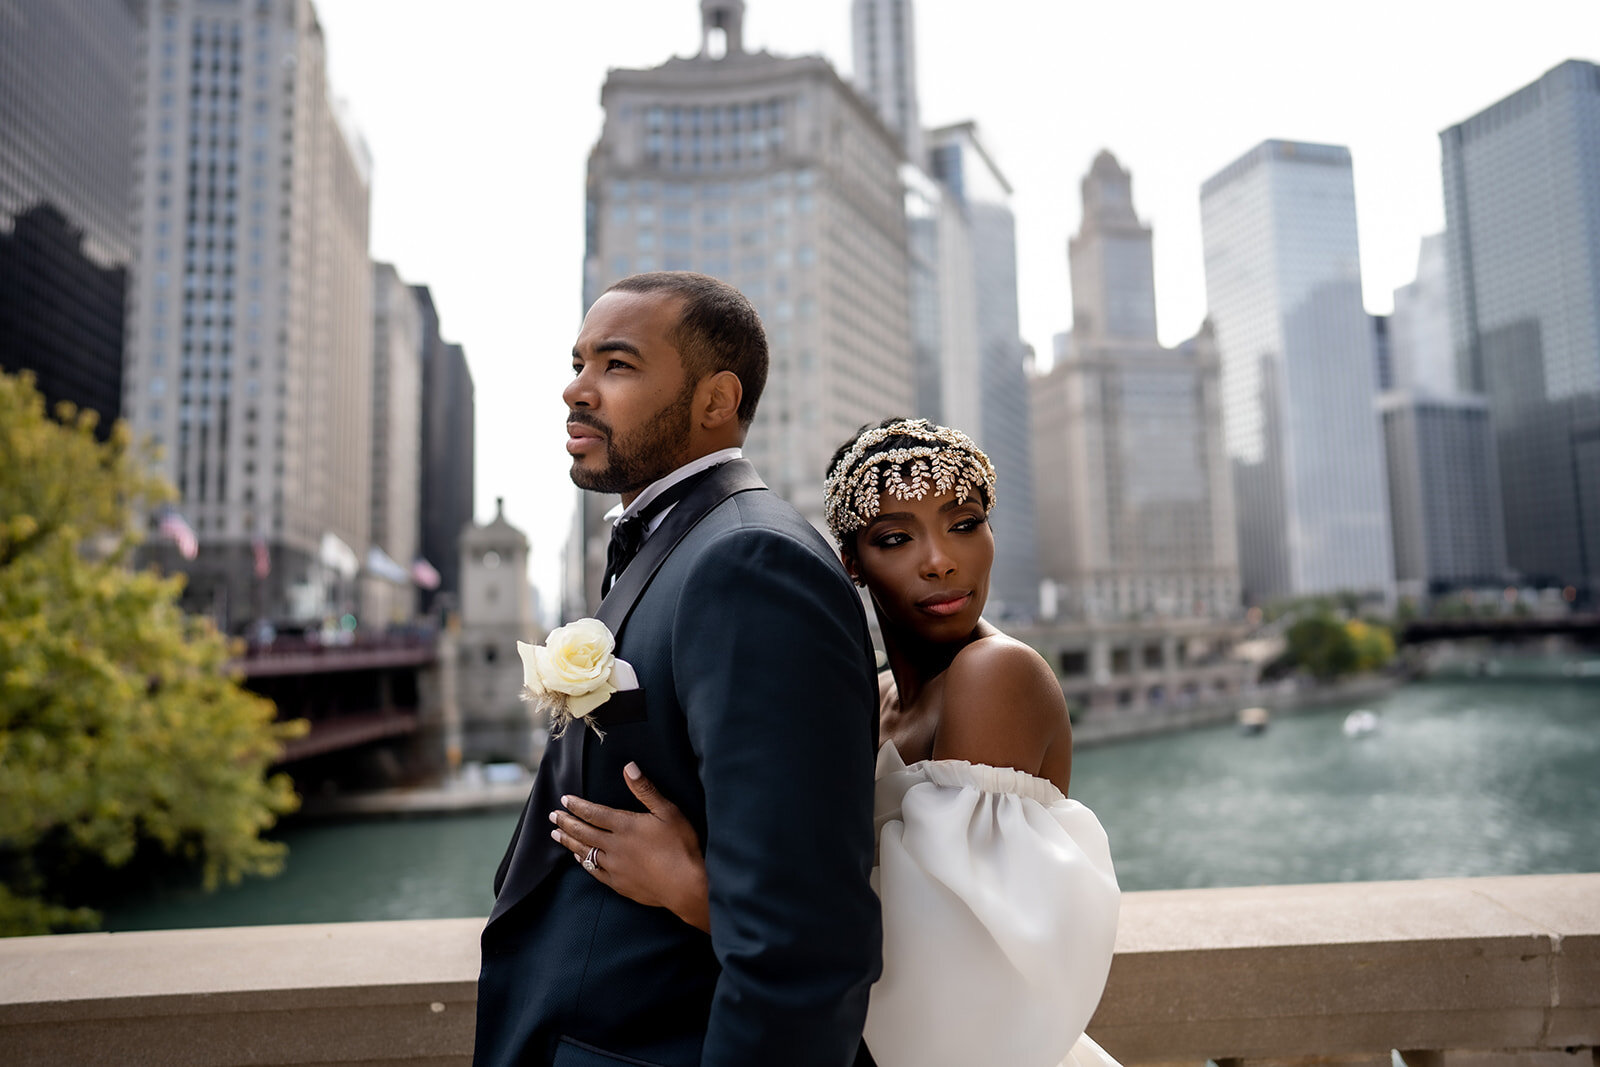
[(757, 716)]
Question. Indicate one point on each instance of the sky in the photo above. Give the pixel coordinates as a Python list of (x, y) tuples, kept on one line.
[(480, 114)]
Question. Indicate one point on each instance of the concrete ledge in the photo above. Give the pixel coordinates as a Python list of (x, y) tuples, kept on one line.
[(1475, 972), (383, 992), (1335, 970)]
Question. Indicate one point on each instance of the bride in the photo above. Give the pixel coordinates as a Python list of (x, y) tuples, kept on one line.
[(999, 899)]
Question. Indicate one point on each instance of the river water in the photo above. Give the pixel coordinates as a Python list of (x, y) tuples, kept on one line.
[(1463, 778)]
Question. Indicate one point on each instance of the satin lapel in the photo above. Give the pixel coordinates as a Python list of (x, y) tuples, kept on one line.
[(734, 477)]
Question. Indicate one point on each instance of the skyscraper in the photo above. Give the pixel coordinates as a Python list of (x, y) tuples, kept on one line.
[(1443, 492), (1522, 215), (449, 460), (397, 341), (66, 172), (985, 392), (1444, 484), (1382, 351), (774, 175), (1283, 286), (250, 318), (883, 40), (1135, 506), (1419, 329)]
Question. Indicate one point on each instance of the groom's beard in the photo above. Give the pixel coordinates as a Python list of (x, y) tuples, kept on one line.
[(659, 447)]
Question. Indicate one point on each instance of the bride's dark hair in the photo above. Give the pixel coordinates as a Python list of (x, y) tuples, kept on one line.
[(886, 445)]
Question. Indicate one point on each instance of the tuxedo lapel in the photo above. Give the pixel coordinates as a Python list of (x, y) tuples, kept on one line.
[(533, 856), (735, 476)]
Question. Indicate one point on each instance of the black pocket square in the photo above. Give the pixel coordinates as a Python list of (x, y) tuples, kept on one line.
[(625, 706)]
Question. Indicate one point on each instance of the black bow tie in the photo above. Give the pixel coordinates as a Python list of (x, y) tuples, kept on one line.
[(628, 535)]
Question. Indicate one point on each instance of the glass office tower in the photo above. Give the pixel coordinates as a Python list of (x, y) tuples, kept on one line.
[(66, 172), (1522, 213), (1283, 285)]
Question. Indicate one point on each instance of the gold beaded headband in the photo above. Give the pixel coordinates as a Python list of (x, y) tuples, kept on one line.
[(946, 462)]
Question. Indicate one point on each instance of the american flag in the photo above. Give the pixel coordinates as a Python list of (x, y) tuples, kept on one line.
[(424, 575), (173, 526)]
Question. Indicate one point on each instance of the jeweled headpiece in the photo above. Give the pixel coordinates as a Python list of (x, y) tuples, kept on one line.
[(942, 461)]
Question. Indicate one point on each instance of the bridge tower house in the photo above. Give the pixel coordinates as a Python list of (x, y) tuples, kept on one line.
[(496, 613)]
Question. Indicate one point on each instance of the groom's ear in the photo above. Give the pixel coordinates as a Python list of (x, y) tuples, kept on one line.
[(717, 398)]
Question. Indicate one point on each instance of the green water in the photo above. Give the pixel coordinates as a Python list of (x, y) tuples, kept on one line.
[(1461, 779)]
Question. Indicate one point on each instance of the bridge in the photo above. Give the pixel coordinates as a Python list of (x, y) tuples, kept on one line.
[(353, 693), (1585, 628)]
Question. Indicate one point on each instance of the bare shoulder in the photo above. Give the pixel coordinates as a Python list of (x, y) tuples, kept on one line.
[(1000, 665), (1001, 696)]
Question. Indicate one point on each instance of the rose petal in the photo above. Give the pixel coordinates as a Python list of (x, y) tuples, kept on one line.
[(530, 667), (581, 705), (578, 657)]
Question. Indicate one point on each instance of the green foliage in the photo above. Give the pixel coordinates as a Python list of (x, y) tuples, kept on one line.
[(1320, 644), (1328, 647), (120, 732), (1373, 644)]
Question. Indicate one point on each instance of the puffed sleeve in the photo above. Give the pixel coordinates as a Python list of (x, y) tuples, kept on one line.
[(999, 917)]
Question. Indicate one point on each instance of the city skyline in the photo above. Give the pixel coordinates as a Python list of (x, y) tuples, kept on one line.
[(459, 110)]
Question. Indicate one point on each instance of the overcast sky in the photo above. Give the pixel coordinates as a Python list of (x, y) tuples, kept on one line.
[(480, 114)]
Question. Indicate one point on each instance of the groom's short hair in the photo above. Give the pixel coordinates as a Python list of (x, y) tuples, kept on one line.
[(718, 330)]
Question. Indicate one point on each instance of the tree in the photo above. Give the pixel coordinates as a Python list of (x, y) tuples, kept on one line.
[(121, 733), (1330, 648), (1373, 644), (1320, 643)]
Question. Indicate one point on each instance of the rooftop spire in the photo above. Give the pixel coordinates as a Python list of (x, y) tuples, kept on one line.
[(726, 17)]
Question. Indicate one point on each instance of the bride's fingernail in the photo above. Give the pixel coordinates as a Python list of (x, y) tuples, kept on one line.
[(555, 835), (553, 815), (566, 802), (632, 771)]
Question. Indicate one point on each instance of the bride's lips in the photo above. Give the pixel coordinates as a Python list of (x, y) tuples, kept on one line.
[(943, 604), (580, 437)]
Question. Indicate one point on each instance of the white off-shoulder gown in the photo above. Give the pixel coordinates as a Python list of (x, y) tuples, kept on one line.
[(999, 919)]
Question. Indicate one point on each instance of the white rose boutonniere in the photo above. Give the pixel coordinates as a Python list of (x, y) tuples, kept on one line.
[(574, 672)]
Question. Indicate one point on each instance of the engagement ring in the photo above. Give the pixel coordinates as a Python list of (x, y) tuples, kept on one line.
[(588, 861)]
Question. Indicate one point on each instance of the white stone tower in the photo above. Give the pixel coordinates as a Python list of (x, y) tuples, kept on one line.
[(496, 613)]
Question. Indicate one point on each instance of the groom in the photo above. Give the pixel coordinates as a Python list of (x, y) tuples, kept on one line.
[(757, 716)]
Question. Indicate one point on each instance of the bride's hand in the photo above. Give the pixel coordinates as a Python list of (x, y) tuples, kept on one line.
[(652, 857)]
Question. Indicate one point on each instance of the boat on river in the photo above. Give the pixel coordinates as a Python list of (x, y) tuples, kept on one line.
[(1360, 723), (1254, 720)]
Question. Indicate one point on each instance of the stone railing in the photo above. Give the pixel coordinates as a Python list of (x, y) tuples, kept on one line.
[(1452, 973)]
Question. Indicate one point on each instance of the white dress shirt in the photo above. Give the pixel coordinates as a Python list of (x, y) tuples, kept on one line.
[(662, 484)]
